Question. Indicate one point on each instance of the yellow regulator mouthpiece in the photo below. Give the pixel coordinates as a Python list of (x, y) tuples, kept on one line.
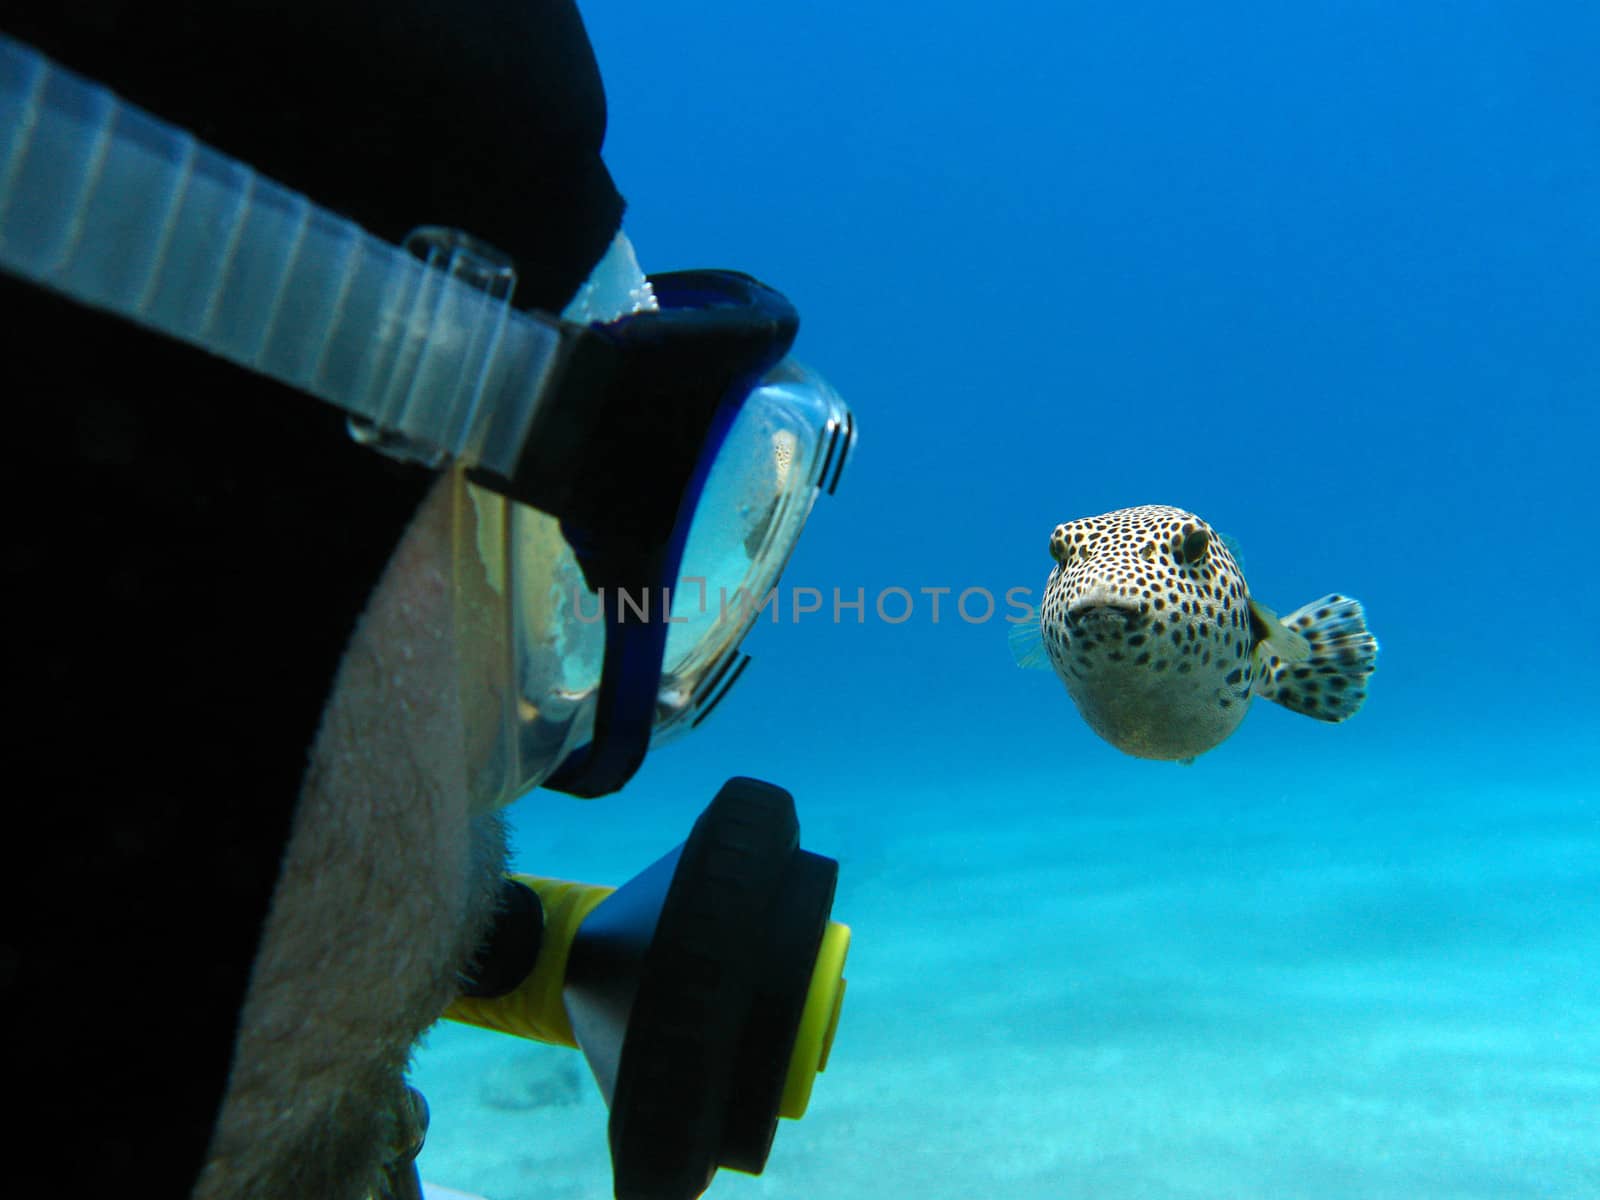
[(535, 1010), (704, 992)]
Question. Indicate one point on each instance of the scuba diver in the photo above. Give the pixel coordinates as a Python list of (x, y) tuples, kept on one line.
[(360, 483)]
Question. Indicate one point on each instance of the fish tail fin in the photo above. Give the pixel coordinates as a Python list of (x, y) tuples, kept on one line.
[(1026, 640), (1331, 682)]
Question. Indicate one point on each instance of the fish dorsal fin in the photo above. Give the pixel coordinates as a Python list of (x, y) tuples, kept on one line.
[(1026, 640), (1273, 637)]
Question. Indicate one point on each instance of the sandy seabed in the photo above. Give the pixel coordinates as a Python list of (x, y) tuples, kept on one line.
[(1379, 985)]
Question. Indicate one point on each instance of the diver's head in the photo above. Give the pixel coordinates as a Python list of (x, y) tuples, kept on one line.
[(631, 478)]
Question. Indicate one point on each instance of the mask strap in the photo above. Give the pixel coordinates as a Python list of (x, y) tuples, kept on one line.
[(118, 210)]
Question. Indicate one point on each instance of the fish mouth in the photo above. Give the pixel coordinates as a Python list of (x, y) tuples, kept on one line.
[(1109, 615)]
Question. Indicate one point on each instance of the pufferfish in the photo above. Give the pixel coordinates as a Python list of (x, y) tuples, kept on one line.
[(1149, 622)]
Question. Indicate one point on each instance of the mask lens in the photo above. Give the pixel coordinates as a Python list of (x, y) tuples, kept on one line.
[(560, 637), (531, 643), (785, 443)]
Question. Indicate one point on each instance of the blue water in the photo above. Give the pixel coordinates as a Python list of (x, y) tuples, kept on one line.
[(1327, 274)]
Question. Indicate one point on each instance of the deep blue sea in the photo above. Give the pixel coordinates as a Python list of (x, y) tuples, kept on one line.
[(1327, 274)]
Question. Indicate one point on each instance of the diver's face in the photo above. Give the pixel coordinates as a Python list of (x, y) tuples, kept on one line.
[(386, 887)]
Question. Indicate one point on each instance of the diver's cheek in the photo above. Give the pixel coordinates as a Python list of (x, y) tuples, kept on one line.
[(391, 747), (380, 881)]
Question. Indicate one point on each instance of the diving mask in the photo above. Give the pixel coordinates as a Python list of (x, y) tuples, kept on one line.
[(614, 639)]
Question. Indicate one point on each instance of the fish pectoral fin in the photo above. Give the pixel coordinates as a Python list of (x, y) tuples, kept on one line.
[(1026, 640), (1233, 549), (1331, 682), (1275, 637)]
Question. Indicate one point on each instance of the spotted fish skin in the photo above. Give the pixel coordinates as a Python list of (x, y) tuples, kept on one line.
[(1149, 622)]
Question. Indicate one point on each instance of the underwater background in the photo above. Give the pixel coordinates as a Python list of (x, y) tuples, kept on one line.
[(1327, 274)]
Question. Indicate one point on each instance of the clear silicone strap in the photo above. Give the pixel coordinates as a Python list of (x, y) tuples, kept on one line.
[(117, 209)]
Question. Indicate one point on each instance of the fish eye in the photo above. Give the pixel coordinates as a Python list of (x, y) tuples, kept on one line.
[(1193, 547), (1148, 552)]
